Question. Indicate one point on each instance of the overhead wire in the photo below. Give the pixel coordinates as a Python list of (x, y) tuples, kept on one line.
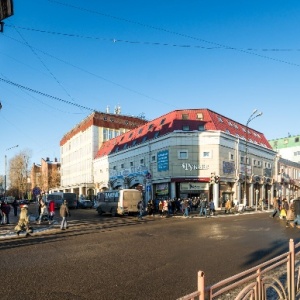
[(172, 32), (116, 40), (98, 76)]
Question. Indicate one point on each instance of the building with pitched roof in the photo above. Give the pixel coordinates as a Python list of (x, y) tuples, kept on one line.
[(189, 153)]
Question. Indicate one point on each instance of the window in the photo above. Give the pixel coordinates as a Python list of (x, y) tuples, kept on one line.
[(125, 146), (153, 158), (182, 154), (199, 116), (162, 121), (142, 161), (185, 116), (227, 131), (206, 154), (185, 128), (242, 159), (201, 127), (114, 167), (122, 166), (140, 131), (144, 139), (150, 126), (156, 134), (220, 119), (133, 143), (231, 156), (130, 135), (131, 164)]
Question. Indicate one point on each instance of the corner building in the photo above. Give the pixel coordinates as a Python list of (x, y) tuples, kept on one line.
[(189, 153), (79, 146)]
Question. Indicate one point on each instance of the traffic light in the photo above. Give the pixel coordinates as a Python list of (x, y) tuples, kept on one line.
[(212, 178), (217, 179)]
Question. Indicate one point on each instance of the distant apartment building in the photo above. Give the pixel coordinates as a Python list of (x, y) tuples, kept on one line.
[(45, 176), (287, 147), (190, 153), (79, 146)]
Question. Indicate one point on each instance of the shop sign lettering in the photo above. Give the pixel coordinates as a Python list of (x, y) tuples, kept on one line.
[(191, 167)]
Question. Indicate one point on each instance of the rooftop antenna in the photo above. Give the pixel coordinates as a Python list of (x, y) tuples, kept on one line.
[(118, 109), (107, 109)]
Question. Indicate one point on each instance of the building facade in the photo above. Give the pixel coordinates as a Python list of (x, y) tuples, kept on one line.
[(190, 153), (79, 146), (287, 147)]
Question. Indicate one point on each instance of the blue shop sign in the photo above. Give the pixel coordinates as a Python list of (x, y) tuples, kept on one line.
[(163, 161)]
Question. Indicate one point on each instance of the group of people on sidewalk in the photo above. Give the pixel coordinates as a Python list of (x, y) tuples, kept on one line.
[(287, 210), (45, 213), (180, 207)]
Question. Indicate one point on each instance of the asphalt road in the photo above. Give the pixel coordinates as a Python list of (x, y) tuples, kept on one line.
[(123, 258)]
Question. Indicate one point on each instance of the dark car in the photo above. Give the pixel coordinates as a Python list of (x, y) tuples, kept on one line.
[(85, 203), (23, 201)]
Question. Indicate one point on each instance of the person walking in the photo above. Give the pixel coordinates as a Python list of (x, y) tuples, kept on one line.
[(186, 208), (23, 223), (290, 215), (228, 207), (203, 207), (43, 212), (5, 212), (212, 207), (64, 213), (15, 207), (140, 207), (275, 207), (51, 211)]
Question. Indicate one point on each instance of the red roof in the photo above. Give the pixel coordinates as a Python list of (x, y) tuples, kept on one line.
[(177, 120)]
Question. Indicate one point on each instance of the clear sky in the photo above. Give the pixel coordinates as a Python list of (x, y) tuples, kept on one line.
[(149, 57)]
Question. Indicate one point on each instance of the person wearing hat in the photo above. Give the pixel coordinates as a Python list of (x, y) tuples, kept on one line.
[(23, 223), (64, 213)]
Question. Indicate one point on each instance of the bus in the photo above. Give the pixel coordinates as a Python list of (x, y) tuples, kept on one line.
[(59, 197), (118, 202)]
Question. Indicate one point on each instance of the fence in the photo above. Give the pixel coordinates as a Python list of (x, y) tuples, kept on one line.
[(273, 279)]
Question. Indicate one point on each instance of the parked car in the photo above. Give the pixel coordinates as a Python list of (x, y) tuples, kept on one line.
[(23, 201), (83, 203)]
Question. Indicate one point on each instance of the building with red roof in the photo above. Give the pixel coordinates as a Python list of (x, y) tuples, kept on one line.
[(189, 153)]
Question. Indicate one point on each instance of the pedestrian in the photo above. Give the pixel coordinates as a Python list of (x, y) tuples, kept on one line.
[(23, 223), (160, 208), (228, 206), (15, 207), (185, 207), (5, 212), (203, 207), (165, 208), (51, 211), (290, 215), (275, 207), (284, 208), (212, 207), (64, 213), (43, 211), (150, 208), (140, 207), (296, 204)]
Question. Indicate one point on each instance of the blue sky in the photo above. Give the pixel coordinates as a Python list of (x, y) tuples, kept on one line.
[(149, 57)]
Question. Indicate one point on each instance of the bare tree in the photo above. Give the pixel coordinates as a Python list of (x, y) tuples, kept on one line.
[(18, 172)]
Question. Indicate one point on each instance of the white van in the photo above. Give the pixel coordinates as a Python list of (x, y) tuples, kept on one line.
[(119, 202)]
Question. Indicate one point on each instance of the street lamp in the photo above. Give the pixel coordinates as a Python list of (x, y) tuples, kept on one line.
[(5, 165), (254, 115)]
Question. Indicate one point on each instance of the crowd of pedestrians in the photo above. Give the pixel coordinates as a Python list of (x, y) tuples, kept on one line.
[(177, 206), (287, 210)]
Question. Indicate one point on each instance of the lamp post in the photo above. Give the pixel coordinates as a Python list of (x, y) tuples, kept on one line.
[(5, 165), (254, 115)]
